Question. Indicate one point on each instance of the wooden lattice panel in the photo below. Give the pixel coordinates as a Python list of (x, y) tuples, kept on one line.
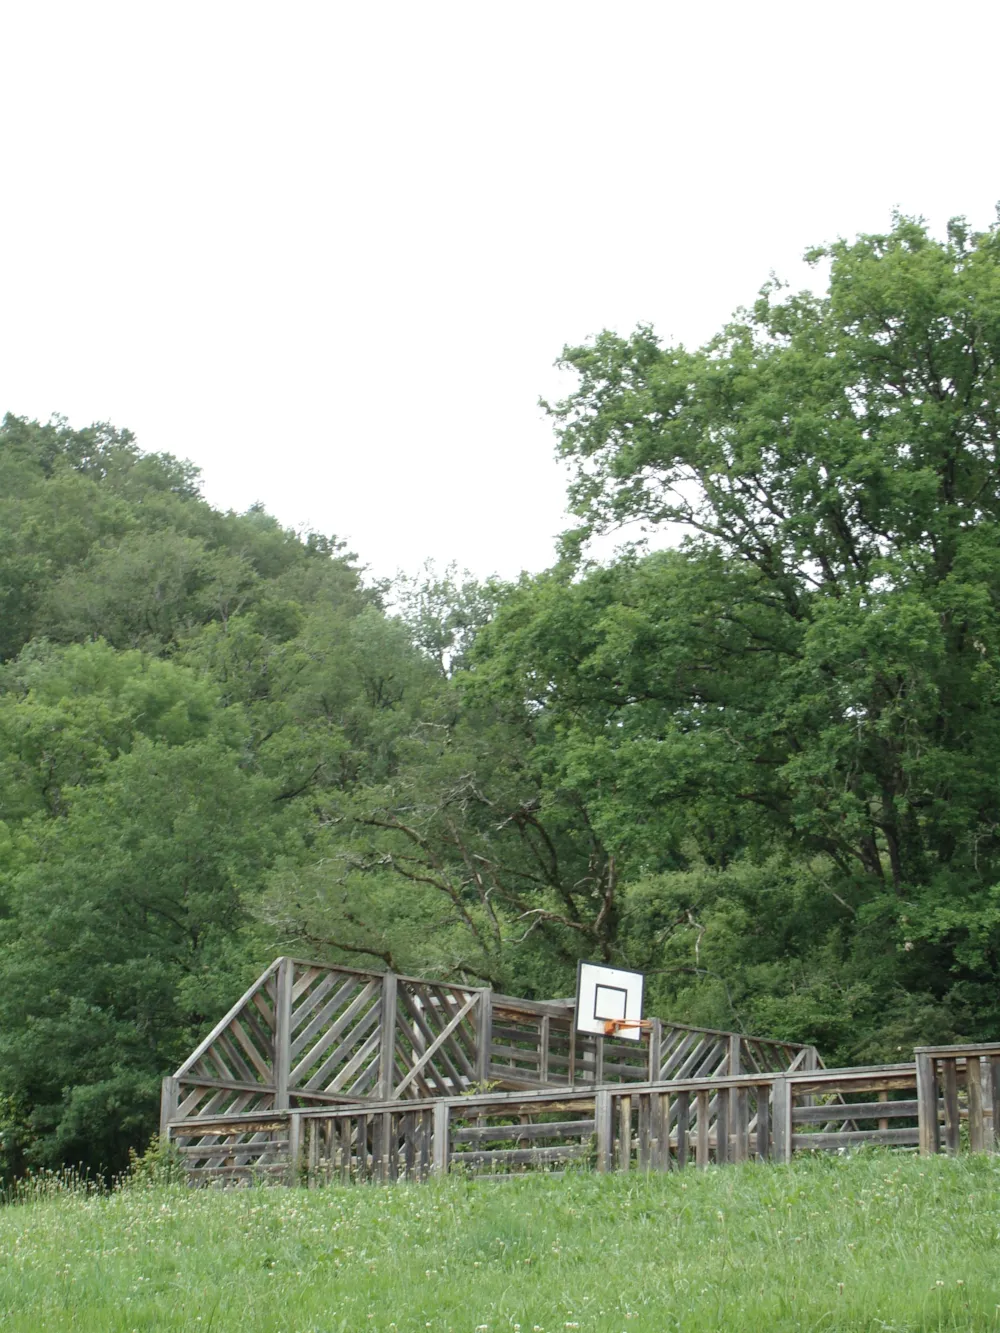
[(334, 1033), (437, 1029)]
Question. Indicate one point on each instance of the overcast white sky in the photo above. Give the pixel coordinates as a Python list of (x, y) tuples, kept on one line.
[(330, 251)]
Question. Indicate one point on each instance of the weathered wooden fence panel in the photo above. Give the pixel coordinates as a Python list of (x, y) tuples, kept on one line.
[(958, 1085)]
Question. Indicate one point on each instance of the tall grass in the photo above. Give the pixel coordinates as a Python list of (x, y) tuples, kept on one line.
[(876, 1242)]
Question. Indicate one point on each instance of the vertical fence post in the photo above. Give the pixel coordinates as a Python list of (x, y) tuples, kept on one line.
[(661, 1123), (168, 1107), (655, 1046), (781, 1119), (684, 1127), (484, 1036), (624, 1133), (739, 1115), (949, 1068), (440, 1145), (994, 1139), (734, 1054), (974, 1086), (703, 1103), (603, 1130), (387, 1037), (764, 1121), (294, 1146), (283, 1032), (927, 1106), (544, 1028)]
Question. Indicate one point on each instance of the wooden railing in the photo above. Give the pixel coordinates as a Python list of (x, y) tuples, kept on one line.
[(647, 1127), (956, 1084), (945, 1099)]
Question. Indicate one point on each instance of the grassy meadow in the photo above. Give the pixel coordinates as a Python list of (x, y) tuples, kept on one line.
[(875, 1242)]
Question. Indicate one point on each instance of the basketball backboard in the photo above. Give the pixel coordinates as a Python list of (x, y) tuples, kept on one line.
[(608, 1001)]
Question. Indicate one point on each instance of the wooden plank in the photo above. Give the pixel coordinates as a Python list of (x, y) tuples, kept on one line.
[(722, 1128), (544, 1040), (781, 1116), (231, 1050), (387, 1027), (974, 1087), (604, 1130), (734, 1055), (169, 1093), (965, 1048), (703, 1112), (644, 1151), (841, 1111), (949, 1070), (294, 1146), (927, 1106), (420, 1036), (809, 1085), (521, 1156), (324, 1074), (440, 1147), (624, 1133), (282, 1035), (306, 976), (683, 1100), (653, 1051), (850, 1138), (763, 1144), (455, 1007), (554, 1130), (367, 1052), (259, 1061), (994, 1077), (661, 1130), (739, 1112), (484, 1025)]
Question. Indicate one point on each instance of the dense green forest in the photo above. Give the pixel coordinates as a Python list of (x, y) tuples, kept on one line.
[(759, 763)]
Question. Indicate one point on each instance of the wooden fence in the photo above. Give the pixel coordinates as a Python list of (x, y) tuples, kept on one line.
[(321, 1073), (612, 1127), (307, 1035), (956, 1084)]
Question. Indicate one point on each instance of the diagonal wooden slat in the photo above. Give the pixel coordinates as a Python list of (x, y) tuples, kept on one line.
[(335, 1031), (446, 1032), (227, 1043), (320, 1077), (265, 1007), (304, 979), (464, 1042), (415, 1045), (677, 1054), (355, 1063), (319, 993), (324, 1016), (258, 1061), (421, 1018)]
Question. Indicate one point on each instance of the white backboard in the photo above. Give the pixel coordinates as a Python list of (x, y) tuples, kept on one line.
[(604, 994)]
